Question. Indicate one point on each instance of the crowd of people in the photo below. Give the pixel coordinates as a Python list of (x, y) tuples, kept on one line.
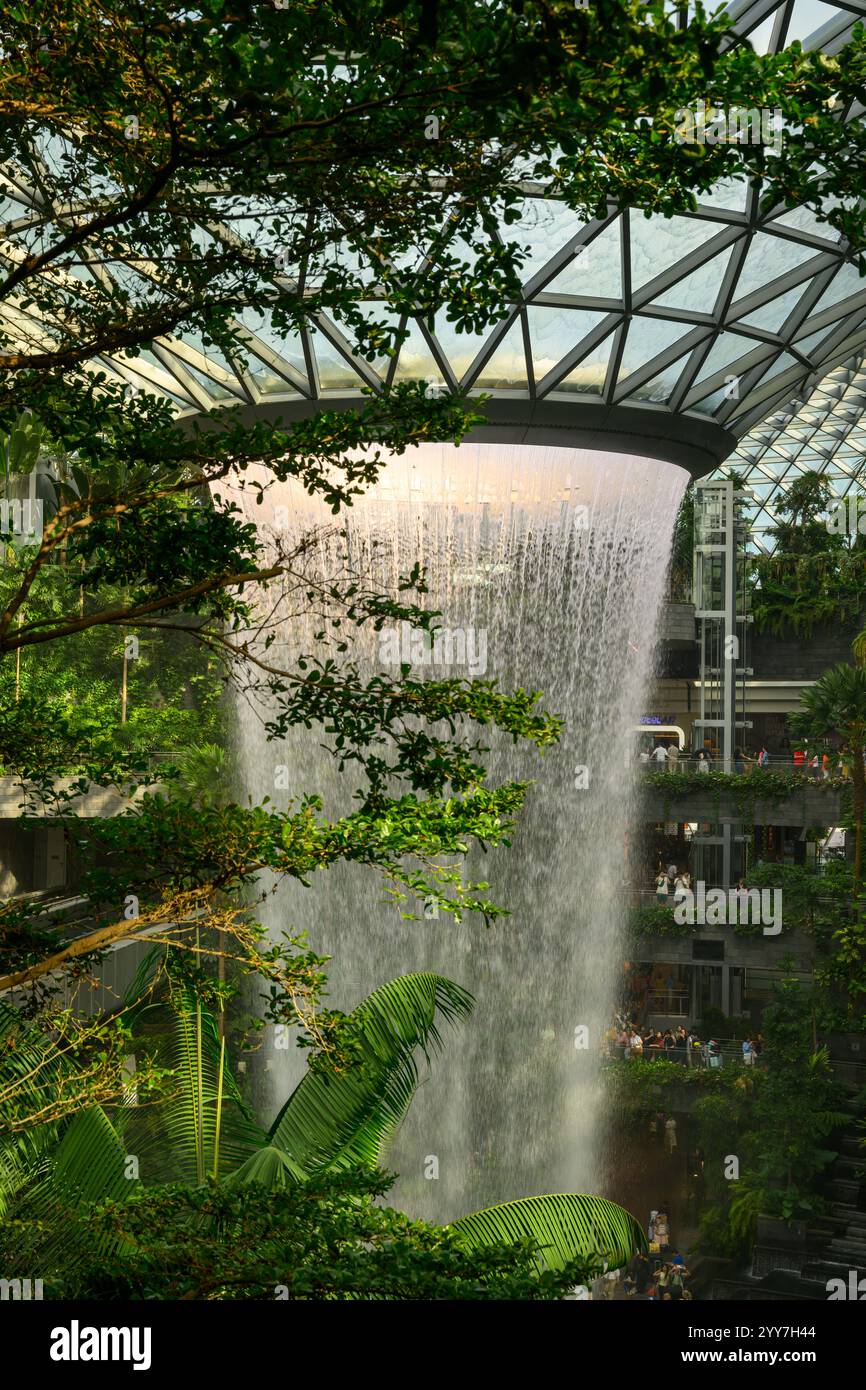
[(822, 764), (626, 1038), (658, 1273), (672, 882)]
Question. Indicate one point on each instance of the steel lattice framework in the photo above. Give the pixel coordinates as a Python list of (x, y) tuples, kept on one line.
[(722, 315), (825, 434)]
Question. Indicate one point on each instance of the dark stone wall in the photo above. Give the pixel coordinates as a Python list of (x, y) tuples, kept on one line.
[(800, 658), (771, 658)]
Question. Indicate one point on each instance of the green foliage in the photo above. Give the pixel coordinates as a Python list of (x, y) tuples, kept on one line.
[(836, 703), (296, 1217), (656, 920), (330, 1239), (338, 1121), (558, 1225), (647, 1085), (815, 574), (748, 789), (682, 550), (781, 1115)]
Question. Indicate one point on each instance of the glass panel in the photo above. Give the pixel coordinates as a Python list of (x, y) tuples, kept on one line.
[(807, 18), (771, 316), (646, 339), (658, 242), (335, 373), (727, 348), (507, 367), (588, 377), (545, 228), (597, 272), (698, 291), (554, 332), (768, 258)]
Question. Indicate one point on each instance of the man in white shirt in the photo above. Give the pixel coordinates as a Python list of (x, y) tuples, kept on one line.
[(660, 754)]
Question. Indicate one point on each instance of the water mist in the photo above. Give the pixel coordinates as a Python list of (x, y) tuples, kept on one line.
[(548, 566)]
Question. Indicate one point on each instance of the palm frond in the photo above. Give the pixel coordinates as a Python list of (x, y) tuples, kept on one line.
[(269, 1167), (565, 1226), (175, 1139), (338, 1120)]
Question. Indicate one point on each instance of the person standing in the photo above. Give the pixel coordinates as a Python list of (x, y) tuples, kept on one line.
[(763, 756), (659, 754), (748, 1054), (663, 1233), (703, 762), (662, 887), (670, 1137), (673, 756)]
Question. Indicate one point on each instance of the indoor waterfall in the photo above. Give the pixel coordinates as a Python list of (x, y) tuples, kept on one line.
[(548, 566)]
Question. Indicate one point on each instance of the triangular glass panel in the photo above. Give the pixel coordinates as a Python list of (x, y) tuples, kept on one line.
[(804, 220), (769, 258), (647, 338), (416, 362), (728, 194), (807, 18), (698, 291), (662, 386), (335, 373), (659, 242), (726, 350), (544, 228), (588, 377), (554, 332), (806, 344), (771, 316), (710, 404), (761, 36), (846, 282), (459, 349), (783, 361), (286, 345), (378, 315), (596, 272), (506, 369)]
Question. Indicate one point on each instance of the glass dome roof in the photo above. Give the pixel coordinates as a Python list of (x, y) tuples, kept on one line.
[(723, 314), (825, 434)]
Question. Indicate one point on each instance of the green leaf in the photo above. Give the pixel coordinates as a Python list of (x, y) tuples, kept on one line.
[(565, 1226), (334, 1121)]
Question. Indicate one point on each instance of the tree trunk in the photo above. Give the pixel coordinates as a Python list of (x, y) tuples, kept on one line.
[(859, 780)]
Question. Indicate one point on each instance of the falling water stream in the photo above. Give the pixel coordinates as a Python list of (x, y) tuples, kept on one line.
[(548, 567)]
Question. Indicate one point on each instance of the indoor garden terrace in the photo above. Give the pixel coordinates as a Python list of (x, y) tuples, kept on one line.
[(432, 664)]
